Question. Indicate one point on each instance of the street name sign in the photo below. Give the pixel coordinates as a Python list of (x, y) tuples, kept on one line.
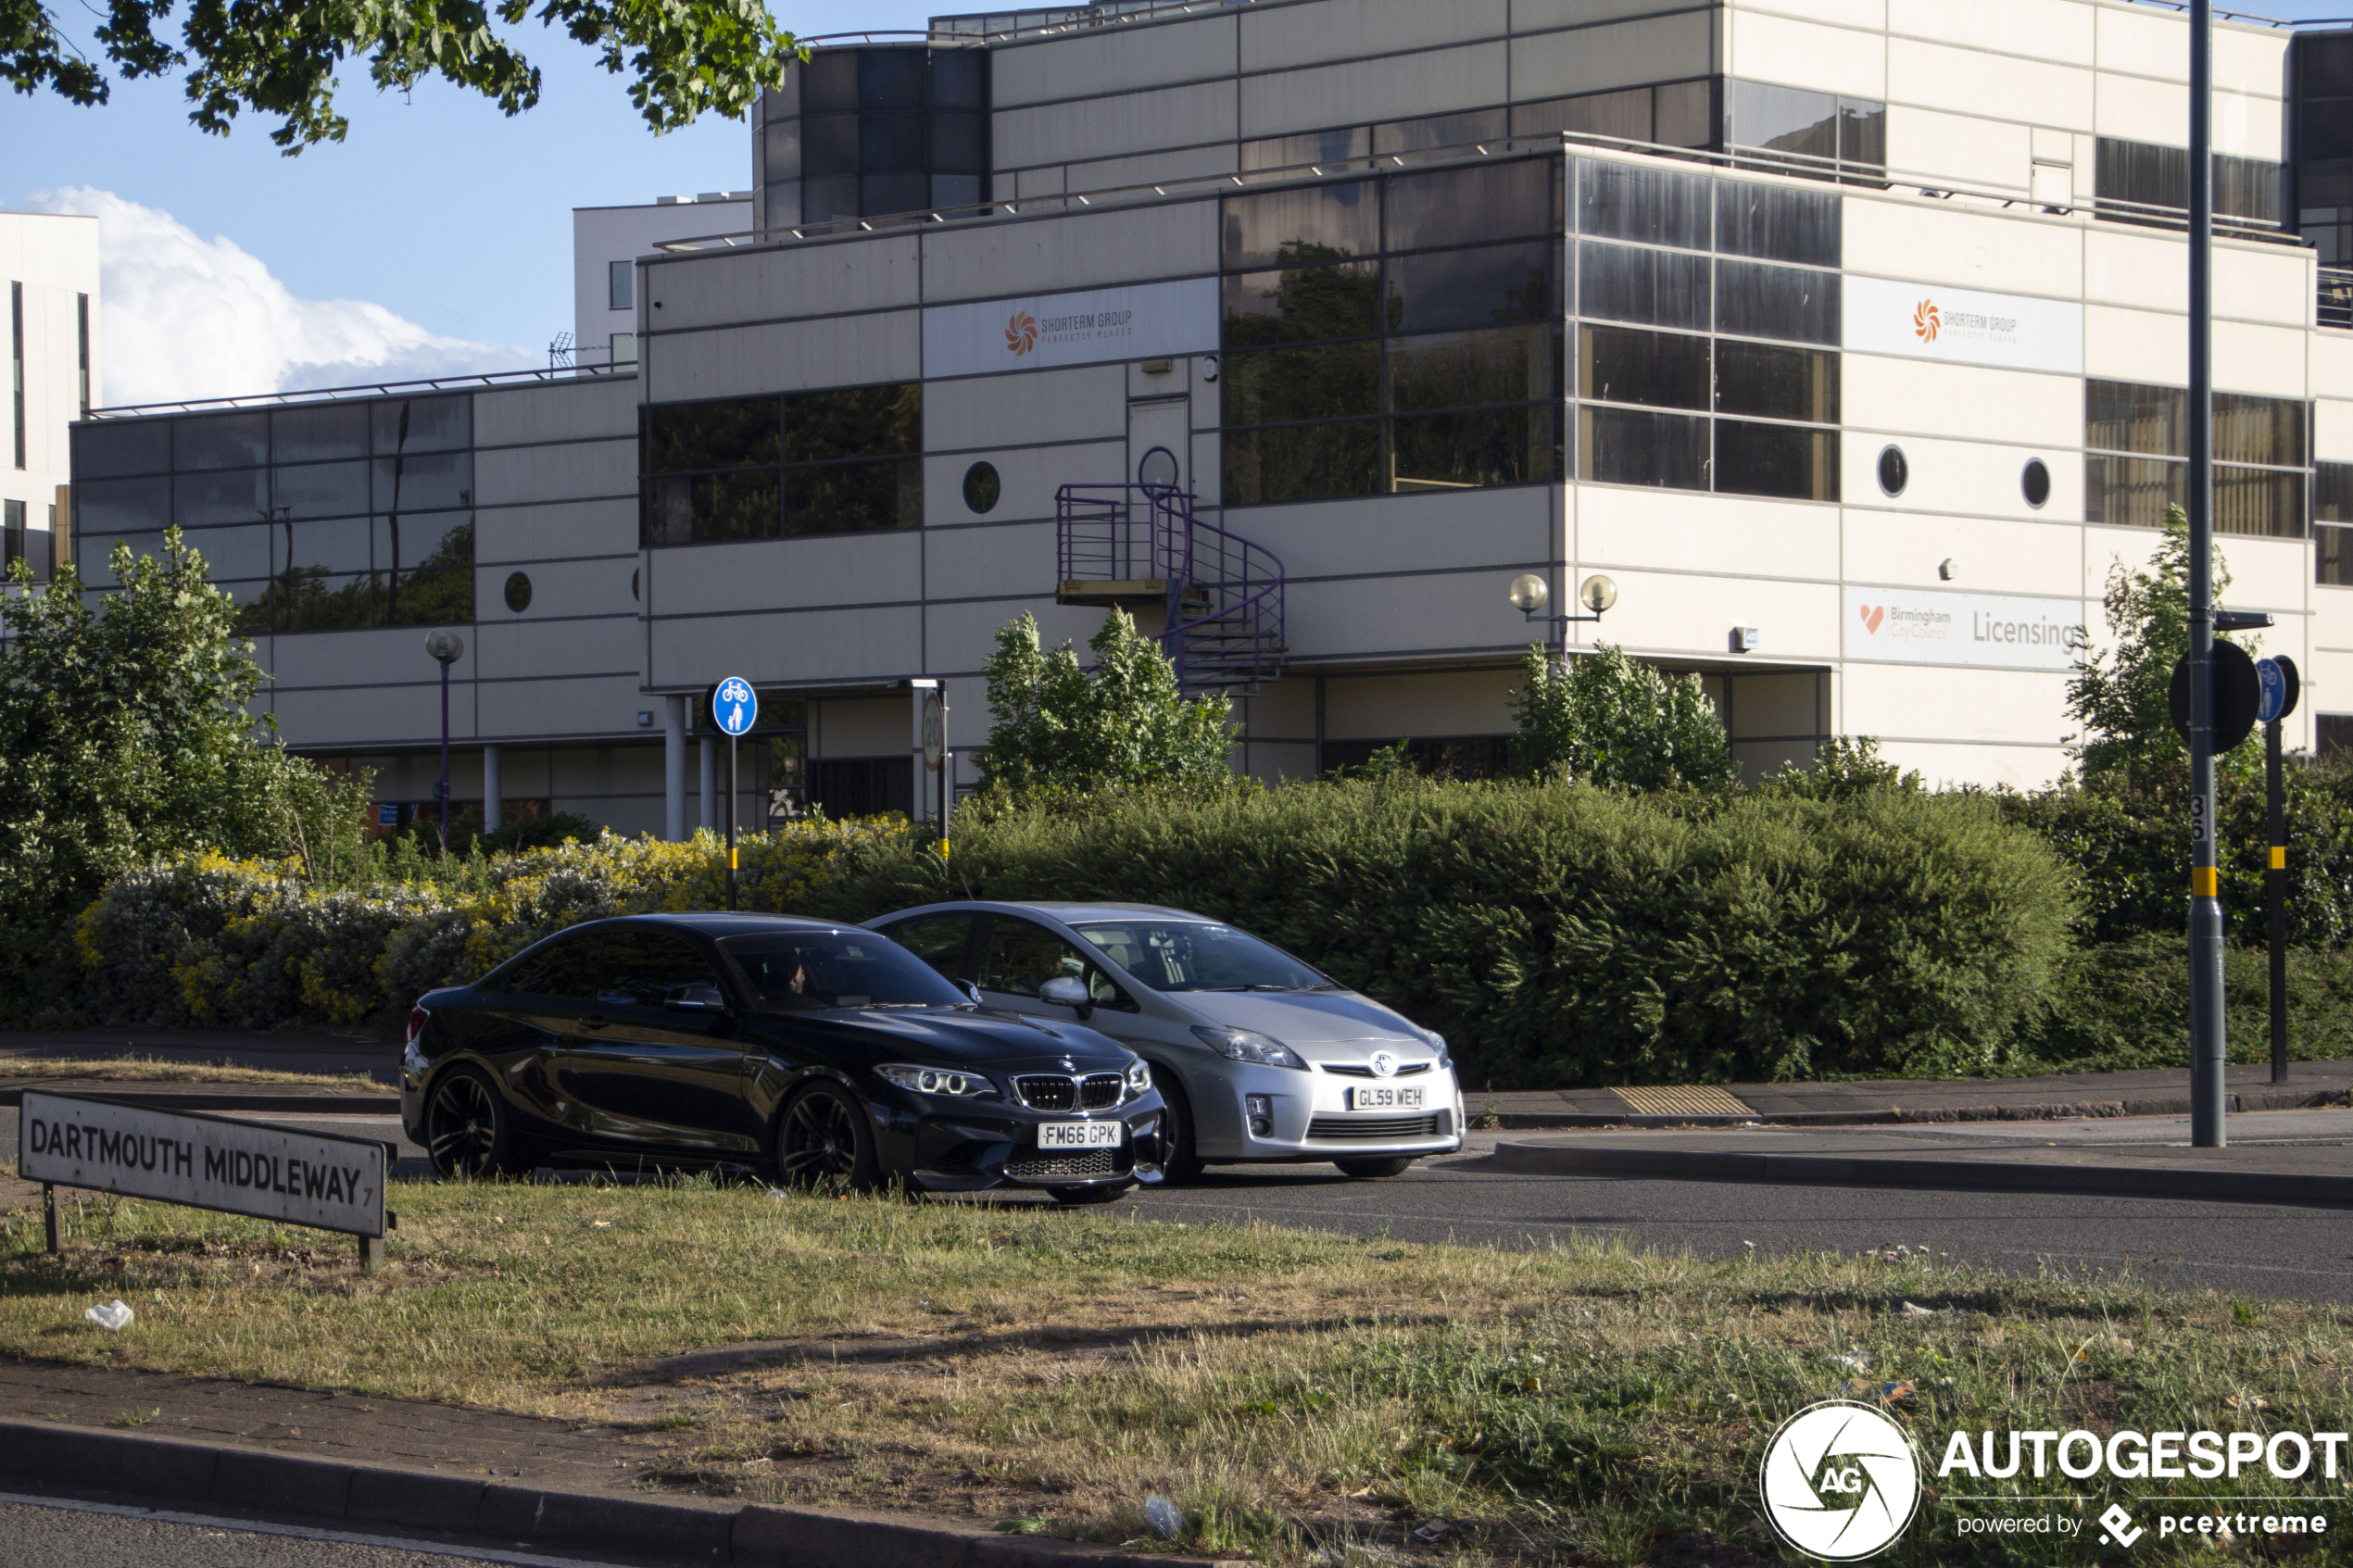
[(302, 1179)]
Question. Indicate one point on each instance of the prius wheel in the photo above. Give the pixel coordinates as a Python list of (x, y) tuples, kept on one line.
[(467, 1132), (1393, 1165), (823, 1141), (1088, 1194)]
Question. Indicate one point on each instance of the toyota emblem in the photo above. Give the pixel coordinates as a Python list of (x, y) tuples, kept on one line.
[(1383, 1065)]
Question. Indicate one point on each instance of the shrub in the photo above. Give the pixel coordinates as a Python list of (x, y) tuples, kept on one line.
[(208, 940), (2126, 1005), (1604, 719), (1059, 728), (1560, 934)]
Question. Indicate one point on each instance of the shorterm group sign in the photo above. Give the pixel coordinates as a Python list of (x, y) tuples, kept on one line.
[(302, 1179)]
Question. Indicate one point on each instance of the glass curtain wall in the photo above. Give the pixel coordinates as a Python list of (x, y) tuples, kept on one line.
[(317, 517), (2136, 460), (2141, 182), (2333, 523), (865, 131), (844, 461), (1393, 334), (1817, 136)]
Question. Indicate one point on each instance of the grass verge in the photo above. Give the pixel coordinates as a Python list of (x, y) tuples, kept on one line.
[(151, 1070), (1301, 1396)]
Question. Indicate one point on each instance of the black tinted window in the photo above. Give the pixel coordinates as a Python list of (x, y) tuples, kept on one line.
[(808, 972), (1023, 956), (565, 967), (640, 968), (938, 940)]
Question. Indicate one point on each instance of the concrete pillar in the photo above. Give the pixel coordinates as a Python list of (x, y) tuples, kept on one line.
[(674, 768), (711, 816), (492, 796)]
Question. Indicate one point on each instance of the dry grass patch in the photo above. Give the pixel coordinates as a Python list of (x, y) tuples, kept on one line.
[(150, 1070), (1301, 1396)]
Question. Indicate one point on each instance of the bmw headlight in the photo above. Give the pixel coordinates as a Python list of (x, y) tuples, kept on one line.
[(937, 1081), (1140, 1078), (1244, 1045)]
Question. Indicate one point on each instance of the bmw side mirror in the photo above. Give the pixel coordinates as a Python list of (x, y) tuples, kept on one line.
[(1064, 991), (695, 998), (971, 991)]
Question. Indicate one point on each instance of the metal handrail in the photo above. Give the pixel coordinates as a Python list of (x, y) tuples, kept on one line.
[(384, 389), (1242, 581)]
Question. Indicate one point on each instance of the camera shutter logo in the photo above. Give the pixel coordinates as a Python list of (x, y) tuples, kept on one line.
[(1926, 320), (1840, 1481), (1021, 334)]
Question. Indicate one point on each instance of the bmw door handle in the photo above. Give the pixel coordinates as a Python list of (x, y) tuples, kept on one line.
[(596, 1021)]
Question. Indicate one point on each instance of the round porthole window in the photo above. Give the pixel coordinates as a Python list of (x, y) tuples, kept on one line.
[(633, 580), (1893, 472), (518, 592), (981, 487), (1158, 467), (2035, 481)]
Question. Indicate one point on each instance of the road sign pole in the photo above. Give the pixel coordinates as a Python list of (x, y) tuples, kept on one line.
[(731, 822), (2275, 897), (445, 760), (735, 708), (2208, 1041)]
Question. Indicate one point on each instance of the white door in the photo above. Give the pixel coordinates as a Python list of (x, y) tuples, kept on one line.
[(1159, 441)]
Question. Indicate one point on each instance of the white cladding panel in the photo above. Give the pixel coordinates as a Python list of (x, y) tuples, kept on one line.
[(1801, 53), (2048, 29), (1870, 15), (1913, 548), (2036, 92), (1927, 626), (1937, 241), (1963, 402), (1631, 526), (1977, 153)]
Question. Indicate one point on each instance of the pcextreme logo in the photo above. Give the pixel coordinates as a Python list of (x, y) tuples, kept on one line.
[(1872, 616), (1926, 320), (1021, 334), (1840, 1481)]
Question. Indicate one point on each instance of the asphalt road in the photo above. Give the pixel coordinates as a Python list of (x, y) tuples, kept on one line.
[(43, 1530), (2239, 1248)]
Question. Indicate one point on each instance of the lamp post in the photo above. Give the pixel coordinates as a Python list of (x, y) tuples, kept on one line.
[(1530, 593), (446, 647)]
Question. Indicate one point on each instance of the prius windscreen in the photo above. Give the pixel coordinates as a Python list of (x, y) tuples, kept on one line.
[(808, 972), (1197, 956)]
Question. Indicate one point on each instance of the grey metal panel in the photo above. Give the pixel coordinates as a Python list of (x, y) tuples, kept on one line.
[(784, 357), (1080, 250), (577, 705), (1031, 184), (1280, 36), (711, 288), (786, 573), (1397, 87), (1619, 55), (560, 529), (1543, 16), (559, 590), (1171, 117), (1011, 557), (1402, 614), (554, 649), (1083, 401), (359, 659), (1026, 476), (561, 411), (360, 714), (962, 637), (1406, 534), (1114, 60), (579, 469), (780, 647), (700, 579)]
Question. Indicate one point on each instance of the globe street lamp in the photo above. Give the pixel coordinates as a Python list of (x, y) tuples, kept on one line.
[(446, 647), (1530, 593)]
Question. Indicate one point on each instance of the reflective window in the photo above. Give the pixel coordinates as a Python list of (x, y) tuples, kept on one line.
[(1324, 148), (1199, 956), (737, 433), (1276, 386), (2333, 493), (1624, 365), (1466, 369), (1487, 287), (118, 447), (2141, 182), (120, 506), (861, 422), (2138, 442), (1777, 223), (434, 481), (1633, 447), (1660, 287), (317, 490), (622, 286), (563, 967), (1270, 227), (1777, 383), (1441, 130), (1303, 303), (852, 497), (939, 940), (1623, 201), (202, 500), (812, 971), (2333, 555), (1301, 462), (1776, 459), (1455, 207), (1474, 449), (1794, 304), (422, 424), (874, 130), (318, 432), (221, 441), (1807, 132)]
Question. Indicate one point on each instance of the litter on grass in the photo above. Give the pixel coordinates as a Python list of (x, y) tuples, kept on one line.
[(113, 1316), (1913, 1309), (1852, 1360), (1879, 1393), (1162, 1516)]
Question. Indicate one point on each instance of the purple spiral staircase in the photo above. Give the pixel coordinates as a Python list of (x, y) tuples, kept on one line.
[(1139, 545)]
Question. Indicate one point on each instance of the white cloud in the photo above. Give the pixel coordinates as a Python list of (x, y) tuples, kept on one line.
[(187, 318)]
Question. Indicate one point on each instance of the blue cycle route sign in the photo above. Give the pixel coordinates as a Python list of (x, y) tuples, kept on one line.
[(733, 705)]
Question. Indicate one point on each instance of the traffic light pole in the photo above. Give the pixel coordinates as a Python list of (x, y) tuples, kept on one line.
[(2208, 1045)]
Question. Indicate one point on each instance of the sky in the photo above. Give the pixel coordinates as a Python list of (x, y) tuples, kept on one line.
[(436, 237)]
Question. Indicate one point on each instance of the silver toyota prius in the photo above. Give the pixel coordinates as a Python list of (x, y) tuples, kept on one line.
[(1258, 1057)]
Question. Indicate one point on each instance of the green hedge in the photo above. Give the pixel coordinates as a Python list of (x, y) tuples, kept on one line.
[(1562, 934), (2127, 1004)]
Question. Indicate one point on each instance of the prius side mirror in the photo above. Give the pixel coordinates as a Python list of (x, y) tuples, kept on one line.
[(695, 998), (1064, 991)]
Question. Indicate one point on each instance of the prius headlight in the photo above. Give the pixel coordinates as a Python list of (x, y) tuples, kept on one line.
[(1436, 1043), (1140, 1078), (945, 1081), (1244, 1045)]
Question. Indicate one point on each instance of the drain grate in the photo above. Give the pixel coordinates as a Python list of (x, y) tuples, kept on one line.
[(1689, 1101)]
